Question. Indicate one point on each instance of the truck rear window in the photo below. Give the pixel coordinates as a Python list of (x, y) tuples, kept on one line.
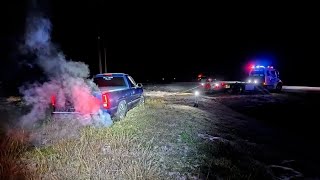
[(109, 81)]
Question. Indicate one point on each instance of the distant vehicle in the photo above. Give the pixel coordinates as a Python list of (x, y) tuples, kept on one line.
[(267, 77), (259, 78), (204, 79), (117, 93), (210, 84)]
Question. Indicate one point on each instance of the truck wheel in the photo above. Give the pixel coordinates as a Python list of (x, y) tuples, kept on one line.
[(142, 100), (240, 90), (122, 110), (279, 87), (237, 89)]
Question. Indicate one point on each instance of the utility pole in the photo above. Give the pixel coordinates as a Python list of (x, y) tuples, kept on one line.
[(105, 60), (99, 54)]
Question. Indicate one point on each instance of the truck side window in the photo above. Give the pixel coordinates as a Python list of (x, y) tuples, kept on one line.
[(132, 82), (273, 73), (268, 73)]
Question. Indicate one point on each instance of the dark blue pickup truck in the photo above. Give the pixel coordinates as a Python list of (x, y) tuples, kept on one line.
[(117, 94)]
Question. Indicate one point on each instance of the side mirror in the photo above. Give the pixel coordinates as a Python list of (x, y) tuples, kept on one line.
[(139, 85)]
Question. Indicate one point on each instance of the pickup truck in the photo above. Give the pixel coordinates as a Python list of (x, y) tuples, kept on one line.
[(118, 93)]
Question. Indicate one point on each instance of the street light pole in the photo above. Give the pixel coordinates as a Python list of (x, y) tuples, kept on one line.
[(99, 54), (105, 60)]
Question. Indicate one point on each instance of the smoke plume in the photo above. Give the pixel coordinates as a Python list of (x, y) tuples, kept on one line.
[(67, 81)]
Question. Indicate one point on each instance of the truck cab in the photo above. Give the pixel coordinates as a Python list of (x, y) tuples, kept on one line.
[(118, 93), (267, 77)]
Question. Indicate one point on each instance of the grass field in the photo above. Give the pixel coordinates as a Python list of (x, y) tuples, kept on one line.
[(160, 140)]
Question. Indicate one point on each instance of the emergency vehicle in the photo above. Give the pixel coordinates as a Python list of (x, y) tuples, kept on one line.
[(260, 78)]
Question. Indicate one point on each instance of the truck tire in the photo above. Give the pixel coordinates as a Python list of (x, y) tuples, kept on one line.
[(142, 101), (236, 89), (121, 110), (279, 87)]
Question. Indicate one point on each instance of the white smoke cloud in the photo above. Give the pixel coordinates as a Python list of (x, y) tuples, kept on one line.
[(38, 33), (66, 79)]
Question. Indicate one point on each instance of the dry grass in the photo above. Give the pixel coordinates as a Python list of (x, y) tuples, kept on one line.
[(99, 153), (12, 147), (156, 141), (14, 99)]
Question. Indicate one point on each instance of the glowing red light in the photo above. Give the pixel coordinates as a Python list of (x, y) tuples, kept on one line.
[(105, 101), (53, 100), (222, 83), (250, 67), (207, 86), (200, 75)]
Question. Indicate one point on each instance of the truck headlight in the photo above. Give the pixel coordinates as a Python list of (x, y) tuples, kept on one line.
[(255, 81), (249, 81)]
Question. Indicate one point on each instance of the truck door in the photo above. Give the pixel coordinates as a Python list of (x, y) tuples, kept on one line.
[(135, 90), (273, 78), (268, 77)]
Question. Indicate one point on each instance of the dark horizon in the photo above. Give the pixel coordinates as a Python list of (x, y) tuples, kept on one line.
[(172, 40)]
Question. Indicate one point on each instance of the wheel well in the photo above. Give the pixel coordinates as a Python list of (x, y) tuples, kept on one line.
[(120, 100)]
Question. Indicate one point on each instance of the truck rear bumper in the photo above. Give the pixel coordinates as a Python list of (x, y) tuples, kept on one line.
[(250, 87), (255, 87), (110, 111)]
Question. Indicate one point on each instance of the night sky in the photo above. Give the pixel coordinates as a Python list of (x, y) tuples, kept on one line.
[(180, 40)]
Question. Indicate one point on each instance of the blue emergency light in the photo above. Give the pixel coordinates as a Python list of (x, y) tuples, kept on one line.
[(258, 66)]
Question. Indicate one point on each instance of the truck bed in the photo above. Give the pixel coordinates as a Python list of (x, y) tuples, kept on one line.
[(233, 82)]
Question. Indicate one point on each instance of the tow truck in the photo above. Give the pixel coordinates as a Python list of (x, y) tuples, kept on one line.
[(260, 78)]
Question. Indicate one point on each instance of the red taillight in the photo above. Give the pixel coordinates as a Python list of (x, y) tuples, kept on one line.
[(53, 100), (105, 101), (222, 84), (207, 86)]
